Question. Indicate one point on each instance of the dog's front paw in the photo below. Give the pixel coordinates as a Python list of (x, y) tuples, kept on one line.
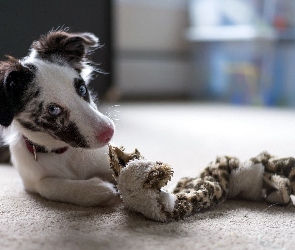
[(91, 192), (113, 201), (110, 195), (103, 193)]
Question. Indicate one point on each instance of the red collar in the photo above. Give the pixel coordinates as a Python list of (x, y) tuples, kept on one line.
[(35, 148)]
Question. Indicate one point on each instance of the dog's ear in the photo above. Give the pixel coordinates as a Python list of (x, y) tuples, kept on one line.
[(14, 79), (70, 47), (6, 109)]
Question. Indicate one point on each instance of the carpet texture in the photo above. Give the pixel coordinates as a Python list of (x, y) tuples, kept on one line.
[(188, 136)]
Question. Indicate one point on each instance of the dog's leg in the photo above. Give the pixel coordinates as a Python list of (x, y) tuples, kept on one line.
[(91, 192)]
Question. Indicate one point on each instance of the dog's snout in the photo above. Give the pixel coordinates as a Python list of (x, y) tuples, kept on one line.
[(106, 135)]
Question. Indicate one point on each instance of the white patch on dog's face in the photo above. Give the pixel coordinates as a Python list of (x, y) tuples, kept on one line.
[(60, 109)]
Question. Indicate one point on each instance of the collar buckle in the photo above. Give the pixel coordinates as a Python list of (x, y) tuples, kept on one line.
[(35, 153)]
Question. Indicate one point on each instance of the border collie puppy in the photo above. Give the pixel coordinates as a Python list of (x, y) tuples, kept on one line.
[(56, 134)]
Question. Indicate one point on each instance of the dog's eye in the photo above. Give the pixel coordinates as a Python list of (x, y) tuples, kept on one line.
[(54, 109), (83, 90)]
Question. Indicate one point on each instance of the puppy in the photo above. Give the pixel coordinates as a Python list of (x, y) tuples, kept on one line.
[(56, 134)]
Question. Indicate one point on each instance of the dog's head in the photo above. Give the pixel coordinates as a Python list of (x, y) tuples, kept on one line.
[(46, 96)]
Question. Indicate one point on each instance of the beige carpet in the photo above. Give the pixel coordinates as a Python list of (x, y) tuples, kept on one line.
[(187, 136)]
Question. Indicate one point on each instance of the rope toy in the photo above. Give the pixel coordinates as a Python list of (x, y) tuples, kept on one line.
[(140, 183)]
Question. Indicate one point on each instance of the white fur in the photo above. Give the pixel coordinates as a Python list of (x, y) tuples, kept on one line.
[(79, 176), (168, 201), (246, 181), (149, 202)]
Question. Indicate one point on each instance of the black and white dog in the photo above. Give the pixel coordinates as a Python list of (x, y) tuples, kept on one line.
[(56, 134)]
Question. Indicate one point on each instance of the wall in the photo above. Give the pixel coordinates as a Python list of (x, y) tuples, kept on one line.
[(24, 21), (151, 56)]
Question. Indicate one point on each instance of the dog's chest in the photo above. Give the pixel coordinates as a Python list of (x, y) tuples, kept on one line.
[(75, 164)]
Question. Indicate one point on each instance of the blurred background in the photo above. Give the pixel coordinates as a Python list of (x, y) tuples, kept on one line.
[(231, 51)]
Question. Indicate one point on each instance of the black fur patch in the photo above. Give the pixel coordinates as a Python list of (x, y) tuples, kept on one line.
[(71, 135), (14, 82), (36, 118), (29, 125)]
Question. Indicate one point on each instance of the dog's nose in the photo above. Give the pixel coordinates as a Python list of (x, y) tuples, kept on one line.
[(106, 135)]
